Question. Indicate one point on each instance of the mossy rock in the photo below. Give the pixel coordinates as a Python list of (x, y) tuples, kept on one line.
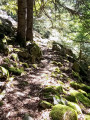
[(45, 104), (1, 103), (80, 97), (54, 89), (80, 86), (35, 66), (63, 112), (59, 89), (88, 95), (35, 52), (76, 66), (83, 92), (50, 89), (56, 46), (57, 63), (25, 65), (7, 60), (3, 48), (4, 73), (15, 71), (57, 99), (76, 75), (48, 96), (71, 98), (57, 70), (14, 57), (75, 107), (53, 74), (24, 54)]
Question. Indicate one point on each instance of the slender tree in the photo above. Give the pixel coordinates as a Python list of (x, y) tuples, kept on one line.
[(29, 33), (21, 22)]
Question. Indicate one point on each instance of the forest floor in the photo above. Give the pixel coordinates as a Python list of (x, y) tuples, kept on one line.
[(21, 99), (24, 93)]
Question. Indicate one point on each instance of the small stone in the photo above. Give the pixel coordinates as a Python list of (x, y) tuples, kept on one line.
[(27, 117)]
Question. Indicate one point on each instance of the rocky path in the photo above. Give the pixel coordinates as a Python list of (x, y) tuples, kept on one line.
[(23, 95)]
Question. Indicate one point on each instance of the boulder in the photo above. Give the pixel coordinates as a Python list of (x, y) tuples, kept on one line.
[(45, 104), (63, 112), (35, 52)]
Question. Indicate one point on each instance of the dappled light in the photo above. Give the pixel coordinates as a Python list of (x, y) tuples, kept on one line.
[(44, 60)]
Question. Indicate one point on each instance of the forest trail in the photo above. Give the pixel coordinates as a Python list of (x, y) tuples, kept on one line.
[(23, 95)]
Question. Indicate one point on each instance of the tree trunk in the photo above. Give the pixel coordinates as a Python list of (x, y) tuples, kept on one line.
[(29, 33), (21, 22)]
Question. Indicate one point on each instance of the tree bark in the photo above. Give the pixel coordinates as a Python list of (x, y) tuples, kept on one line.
[(29, 33), (21, 22)]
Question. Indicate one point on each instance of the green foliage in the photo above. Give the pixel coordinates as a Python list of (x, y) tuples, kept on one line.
[(11, 7)]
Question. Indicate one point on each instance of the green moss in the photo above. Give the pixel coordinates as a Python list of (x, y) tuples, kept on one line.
[(63, 112), (35, 52), (75, 107), (59, 89), (83, 99), (57, 63), (48, 96), (15, 70), (71, 98), (88, 95), (57, 99), (83, 92), (57, 70), (80, 86), (1, 103), (87, 117), (76, 67), (25, 65), (54, 89), (53, 74), (23, 54), (60, 82), (50, 89), (4, 73), (14, 56), (76, 75), (6, 60), (45, 104), (34, 65)]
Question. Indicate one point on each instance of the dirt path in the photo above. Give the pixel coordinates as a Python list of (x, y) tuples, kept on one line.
[(23, 95)]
